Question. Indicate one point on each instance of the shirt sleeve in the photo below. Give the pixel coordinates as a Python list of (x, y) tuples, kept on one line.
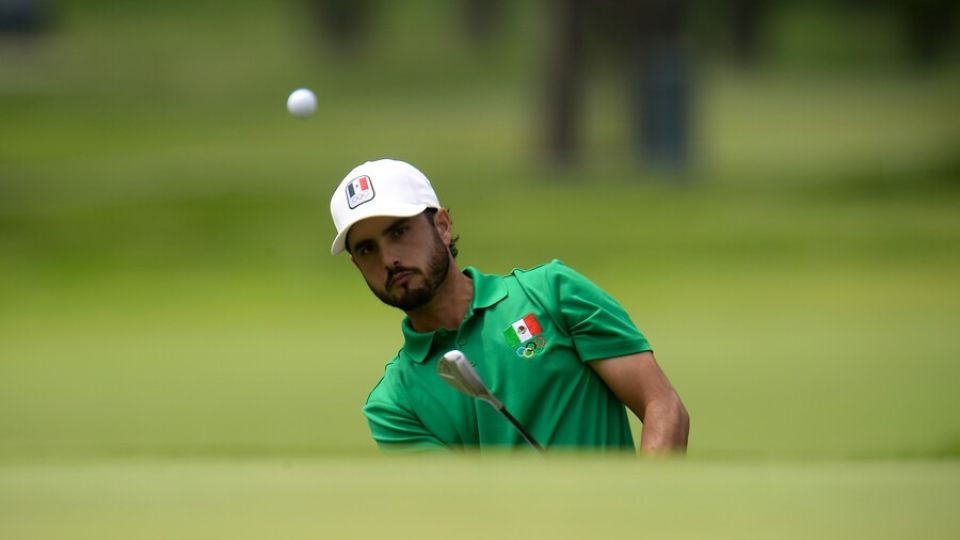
[(394, 427), (598, 324)]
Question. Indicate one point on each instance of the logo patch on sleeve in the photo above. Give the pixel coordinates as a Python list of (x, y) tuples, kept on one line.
[(359, 191)]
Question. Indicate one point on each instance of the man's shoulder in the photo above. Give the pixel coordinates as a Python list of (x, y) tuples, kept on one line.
[(390, 384), (545, 271), (546, 274), (546, 285), (548, 267), (548, 270), (530, 281)]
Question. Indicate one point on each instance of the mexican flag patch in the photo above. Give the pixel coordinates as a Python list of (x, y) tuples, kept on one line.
[(522, 331), (359, 191)]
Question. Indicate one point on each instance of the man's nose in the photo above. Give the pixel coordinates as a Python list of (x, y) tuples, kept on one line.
[(389, 256)]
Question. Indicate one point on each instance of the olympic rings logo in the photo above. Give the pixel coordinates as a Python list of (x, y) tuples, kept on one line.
[(532, 348)]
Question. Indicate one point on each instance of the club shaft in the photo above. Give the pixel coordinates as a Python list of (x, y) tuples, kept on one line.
[(529, 438)]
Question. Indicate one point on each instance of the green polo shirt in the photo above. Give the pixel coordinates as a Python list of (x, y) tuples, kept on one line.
[(529, 334)]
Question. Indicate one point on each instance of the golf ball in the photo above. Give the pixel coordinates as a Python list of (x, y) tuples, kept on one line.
[(302, 103)]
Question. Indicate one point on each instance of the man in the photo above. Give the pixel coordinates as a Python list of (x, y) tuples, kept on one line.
[(560, 353)]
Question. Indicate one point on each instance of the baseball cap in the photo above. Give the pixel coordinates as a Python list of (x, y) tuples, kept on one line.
[(385, 187)]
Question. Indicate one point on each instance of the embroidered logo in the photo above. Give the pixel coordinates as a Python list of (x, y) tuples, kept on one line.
[(524, 336), (359, 191), (532, 348)]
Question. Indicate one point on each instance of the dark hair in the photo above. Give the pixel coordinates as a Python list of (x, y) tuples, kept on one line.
[(432, 213)]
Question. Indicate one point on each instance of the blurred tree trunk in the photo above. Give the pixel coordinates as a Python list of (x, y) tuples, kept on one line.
[(563, 84), (661, 92), (746, 21), (481, 19), (647, 37), (343, 24), (25, 17), (928, 27)]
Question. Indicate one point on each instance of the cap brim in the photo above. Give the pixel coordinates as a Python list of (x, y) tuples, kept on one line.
[(399, 211)]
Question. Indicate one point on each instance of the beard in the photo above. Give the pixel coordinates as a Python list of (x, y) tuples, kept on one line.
[(409, 298)]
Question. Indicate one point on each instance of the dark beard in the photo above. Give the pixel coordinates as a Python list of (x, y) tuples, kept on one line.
[(412, 298)]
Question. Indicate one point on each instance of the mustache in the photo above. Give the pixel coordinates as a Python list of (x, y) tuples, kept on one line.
[(392, 273)]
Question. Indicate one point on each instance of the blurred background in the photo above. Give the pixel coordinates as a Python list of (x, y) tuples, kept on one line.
[(771, 188)]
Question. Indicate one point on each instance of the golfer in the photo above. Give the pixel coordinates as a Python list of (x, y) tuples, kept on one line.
[(559, 352)]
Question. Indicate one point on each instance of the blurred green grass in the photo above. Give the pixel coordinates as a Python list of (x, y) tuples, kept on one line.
[(470, 498)]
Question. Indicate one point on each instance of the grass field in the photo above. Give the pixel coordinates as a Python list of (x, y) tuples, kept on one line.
[(179, 356), (470, 498)]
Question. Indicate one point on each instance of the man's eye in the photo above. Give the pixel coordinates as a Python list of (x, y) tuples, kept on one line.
[(399, 231), (365, 249)]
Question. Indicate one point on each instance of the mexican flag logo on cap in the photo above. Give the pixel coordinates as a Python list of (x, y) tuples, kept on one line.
[(359, 191), (522, 331)]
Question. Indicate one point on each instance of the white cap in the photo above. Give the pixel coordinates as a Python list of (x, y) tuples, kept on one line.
[(385, 187)]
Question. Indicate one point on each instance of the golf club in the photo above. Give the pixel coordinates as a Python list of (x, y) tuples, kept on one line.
[(458, 372)]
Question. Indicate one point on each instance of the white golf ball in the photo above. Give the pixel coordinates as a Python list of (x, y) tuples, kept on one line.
[(302, 103)]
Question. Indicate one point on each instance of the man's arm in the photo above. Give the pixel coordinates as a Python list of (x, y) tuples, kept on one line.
[(397, 430), (641, 385)]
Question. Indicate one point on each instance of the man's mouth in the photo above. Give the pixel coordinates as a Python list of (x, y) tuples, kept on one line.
[(400, 278)]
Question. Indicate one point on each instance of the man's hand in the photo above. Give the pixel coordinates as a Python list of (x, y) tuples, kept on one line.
[(642, 386)]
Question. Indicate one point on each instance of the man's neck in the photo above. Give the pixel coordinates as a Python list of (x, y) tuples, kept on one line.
[(448, 307)]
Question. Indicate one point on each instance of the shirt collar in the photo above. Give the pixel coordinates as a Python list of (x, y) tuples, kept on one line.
[(488, 289)]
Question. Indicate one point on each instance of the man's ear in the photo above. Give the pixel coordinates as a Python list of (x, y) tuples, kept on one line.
[(444, 225)]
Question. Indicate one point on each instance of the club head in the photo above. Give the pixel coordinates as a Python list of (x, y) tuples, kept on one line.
[(458, 372)]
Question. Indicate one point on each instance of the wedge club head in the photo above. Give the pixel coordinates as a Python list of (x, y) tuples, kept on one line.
[(458, 372)]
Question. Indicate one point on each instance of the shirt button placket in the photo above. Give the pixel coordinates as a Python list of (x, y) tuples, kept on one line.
[(461, 338)]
